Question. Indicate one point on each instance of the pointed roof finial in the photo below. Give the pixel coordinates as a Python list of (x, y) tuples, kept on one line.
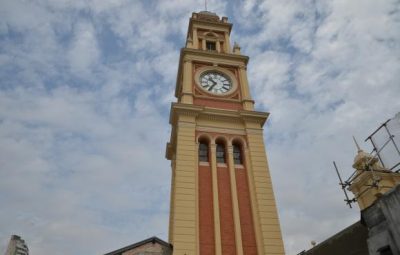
[(358, 147), (205, 4)]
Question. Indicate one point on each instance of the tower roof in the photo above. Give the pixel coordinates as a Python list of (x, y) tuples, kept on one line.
[(153, 239), (208, 13), (207, 16)]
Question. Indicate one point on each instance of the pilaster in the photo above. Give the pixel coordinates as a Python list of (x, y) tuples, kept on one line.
[(195, 39), (264, 198), (248, 103), (227, 43), (254, 204), (187, 93), (217, 224), (218, 46), (184, 225), (235, 202)]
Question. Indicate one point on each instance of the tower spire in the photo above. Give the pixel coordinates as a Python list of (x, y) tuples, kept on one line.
[(358, 147)]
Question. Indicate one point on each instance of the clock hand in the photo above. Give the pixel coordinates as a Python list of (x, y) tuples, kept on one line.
[(212, 86)]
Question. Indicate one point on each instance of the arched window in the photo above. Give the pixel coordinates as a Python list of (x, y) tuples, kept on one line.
[(221, 153), (203, 152), (237, 155)]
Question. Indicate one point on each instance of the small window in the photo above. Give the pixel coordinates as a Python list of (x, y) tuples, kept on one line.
[(220, 153), (210, 45), (385, 250), (203, 152), (237, 155)]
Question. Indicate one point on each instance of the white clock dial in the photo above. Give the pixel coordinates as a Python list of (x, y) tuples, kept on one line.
[(215, 82)]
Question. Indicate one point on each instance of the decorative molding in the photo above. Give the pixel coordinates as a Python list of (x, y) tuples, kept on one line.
[(221, 118), (248, 100), (220, 130), (215, 114), (242, 141), (217, 56), (210, 35), (187, 93), (217, 26), (255, 131), (202, 95), (208, 137), (253, 116), (221, 138), (184, 109), (186, 124)]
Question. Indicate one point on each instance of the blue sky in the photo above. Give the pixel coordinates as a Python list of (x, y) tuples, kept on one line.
[(85, 91)]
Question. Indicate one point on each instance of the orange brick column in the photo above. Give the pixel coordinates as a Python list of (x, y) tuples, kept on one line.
[(226, 212), (235, 202), (246, 215), (206, 214)]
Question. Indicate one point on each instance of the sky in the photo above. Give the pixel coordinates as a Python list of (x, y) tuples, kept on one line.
[(85, 93)]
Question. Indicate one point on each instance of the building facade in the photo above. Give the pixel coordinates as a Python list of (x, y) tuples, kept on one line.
[(17, 246), (383, 222), (222, 200)]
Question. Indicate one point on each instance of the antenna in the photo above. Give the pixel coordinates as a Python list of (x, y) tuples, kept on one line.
[(205, 4)]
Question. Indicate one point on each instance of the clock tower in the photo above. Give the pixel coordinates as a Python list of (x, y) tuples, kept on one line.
[(222, 200)]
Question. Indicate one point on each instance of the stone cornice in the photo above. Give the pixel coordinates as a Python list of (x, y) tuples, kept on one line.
[(207, 23), (216, 114), (213, 114), (183, 109), (217, 55), (254, 116)]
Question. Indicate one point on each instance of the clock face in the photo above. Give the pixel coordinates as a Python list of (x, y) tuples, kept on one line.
[(215, 82)]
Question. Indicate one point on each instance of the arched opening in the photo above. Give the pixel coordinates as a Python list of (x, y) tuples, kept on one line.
[(237, 154), (221, 154), (238, 145), (211, 41), (203, 150)]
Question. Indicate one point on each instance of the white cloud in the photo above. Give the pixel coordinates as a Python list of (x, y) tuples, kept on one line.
[(84, 52), (84, 98)]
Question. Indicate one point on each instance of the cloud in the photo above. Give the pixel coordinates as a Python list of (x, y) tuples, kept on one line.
[(83, 53), (84, 98)]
